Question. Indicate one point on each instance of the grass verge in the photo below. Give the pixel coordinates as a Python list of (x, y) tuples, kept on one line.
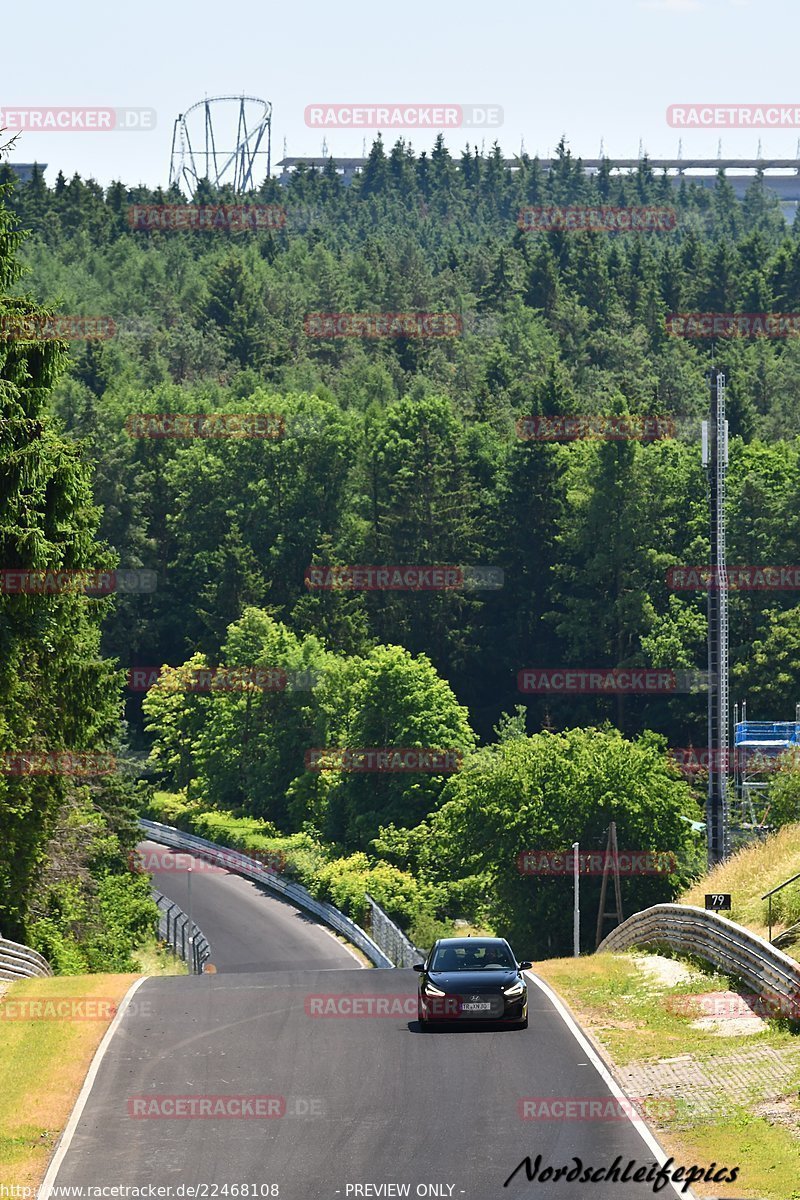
[(43, 1063), (154, 959), (709, 1105), (44, 1060), (751, 873)]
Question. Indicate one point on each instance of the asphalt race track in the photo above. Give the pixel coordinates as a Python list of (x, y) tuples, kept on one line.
[(346, 1100), (248, 929)]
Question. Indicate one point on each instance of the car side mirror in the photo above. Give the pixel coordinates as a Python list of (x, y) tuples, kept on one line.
[(525, 966), (418, 967)]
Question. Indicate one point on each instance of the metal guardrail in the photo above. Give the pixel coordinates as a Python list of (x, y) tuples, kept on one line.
[(727, 946), (390, 938), (788, 937), (242, 864), (20, 962), (768, 897), (185, 939)]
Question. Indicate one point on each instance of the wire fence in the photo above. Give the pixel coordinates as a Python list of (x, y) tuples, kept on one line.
[(392, 941), (188, 942)]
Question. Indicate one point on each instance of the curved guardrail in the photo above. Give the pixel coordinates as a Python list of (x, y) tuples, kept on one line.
[(242, 864), (20, 962), (732, 949)]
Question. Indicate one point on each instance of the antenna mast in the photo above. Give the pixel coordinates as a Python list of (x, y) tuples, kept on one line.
[(715, 459)]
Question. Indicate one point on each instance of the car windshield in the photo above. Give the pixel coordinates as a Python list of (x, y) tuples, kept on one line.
[(480, 957)]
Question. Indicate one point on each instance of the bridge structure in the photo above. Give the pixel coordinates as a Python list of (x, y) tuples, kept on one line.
[(24, 171), (781, 175)]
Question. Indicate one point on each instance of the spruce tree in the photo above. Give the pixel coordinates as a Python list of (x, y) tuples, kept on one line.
[(56, 693)]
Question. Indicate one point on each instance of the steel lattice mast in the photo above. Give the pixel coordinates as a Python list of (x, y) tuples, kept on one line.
[(715, 459)]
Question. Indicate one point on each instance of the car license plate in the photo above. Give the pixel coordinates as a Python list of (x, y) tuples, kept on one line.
[(472, 1007)]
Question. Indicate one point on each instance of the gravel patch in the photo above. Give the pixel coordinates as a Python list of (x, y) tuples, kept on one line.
[(699, 1090), (668, 971)]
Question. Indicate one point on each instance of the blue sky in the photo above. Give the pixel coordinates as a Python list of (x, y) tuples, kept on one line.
[(587, 68)]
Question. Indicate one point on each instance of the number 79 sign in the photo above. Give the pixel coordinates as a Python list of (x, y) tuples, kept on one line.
[(718, 900)]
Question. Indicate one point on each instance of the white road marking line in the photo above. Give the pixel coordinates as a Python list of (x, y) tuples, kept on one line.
[(641, 1127), (77, 1112), (344, 946)]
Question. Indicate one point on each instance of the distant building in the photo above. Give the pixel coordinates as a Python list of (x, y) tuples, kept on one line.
[(25, 170), (348, 168), (781, 175)]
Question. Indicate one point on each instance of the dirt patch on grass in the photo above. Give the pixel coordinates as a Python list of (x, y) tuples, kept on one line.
[(665, 971)]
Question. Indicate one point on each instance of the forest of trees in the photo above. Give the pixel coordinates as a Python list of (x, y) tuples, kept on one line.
[(396, 450)]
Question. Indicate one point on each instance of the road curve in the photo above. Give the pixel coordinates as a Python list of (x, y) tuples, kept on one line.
[(247, 928), (357, 1100)]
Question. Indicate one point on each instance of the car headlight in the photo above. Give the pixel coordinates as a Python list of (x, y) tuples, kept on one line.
[(430, 990), (516, 989)]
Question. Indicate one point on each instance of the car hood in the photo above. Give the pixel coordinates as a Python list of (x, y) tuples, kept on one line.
[(472, 981)]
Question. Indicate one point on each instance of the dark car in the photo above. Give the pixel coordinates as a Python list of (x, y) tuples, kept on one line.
[(472, 979)]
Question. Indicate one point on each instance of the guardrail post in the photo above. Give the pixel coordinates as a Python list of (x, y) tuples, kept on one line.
[(172, 929), (576, 904), (189, 917)]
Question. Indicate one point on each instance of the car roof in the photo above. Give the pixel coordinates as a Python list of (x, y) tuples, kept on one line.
[(471, 941)]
